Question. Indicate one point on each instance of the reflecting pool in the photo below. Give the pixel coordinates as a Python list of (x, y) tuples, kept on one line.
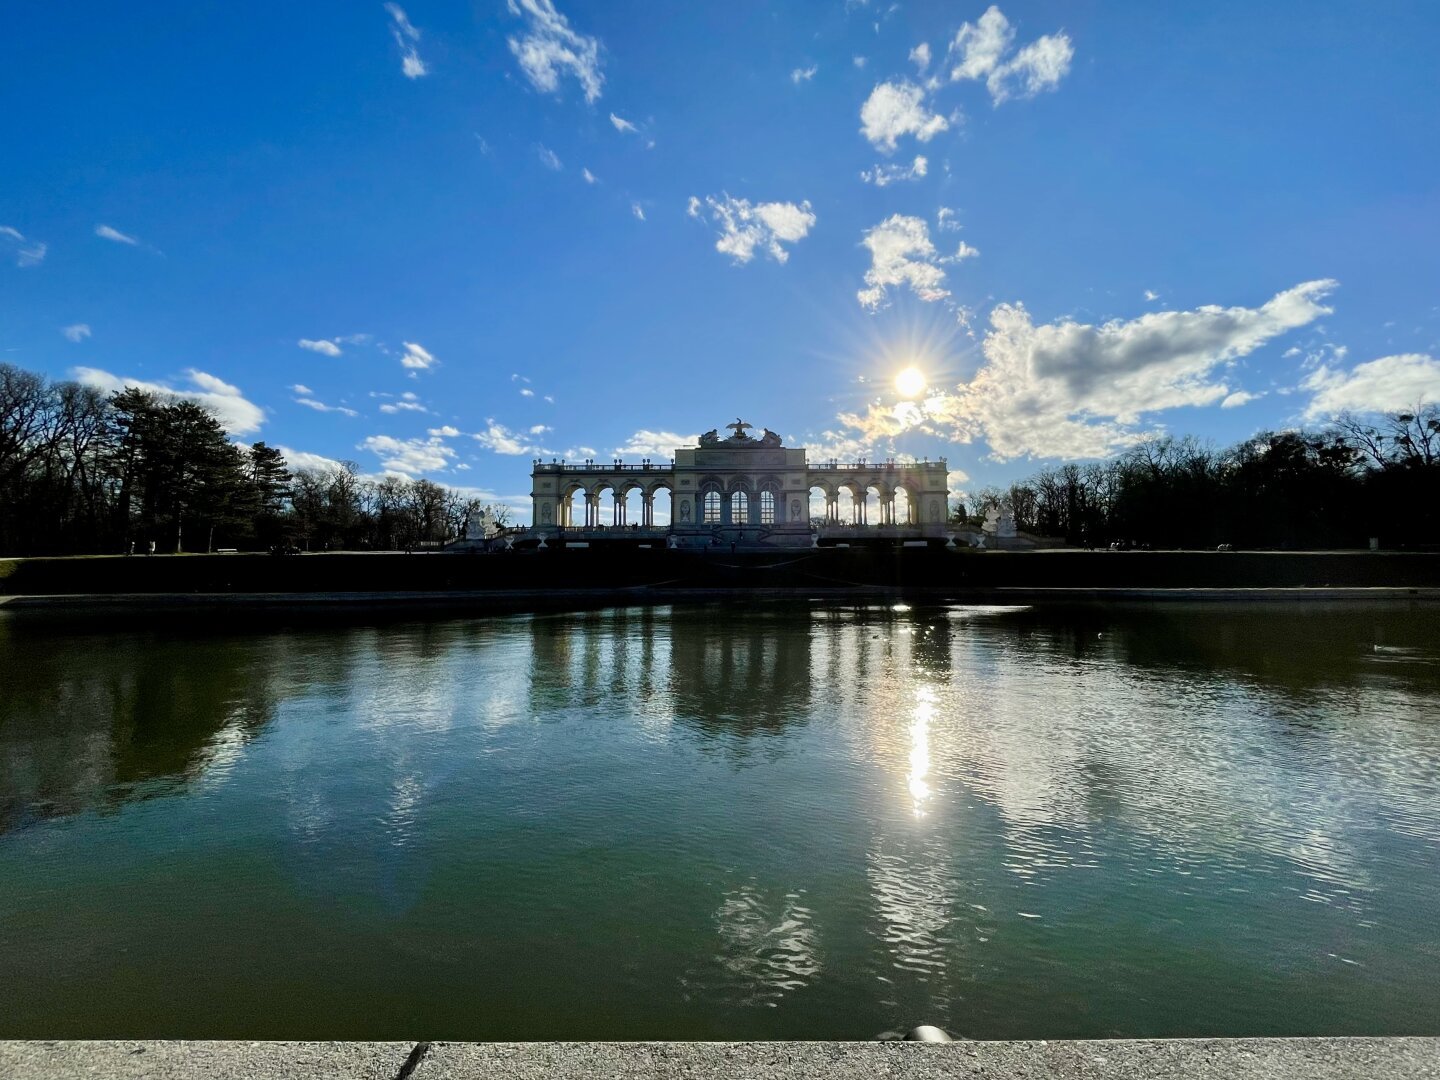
[(727, 821)]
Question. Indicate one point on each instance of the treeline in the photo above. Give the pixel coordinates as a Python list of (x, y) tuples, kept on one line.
[(86, 472), (1296, 489)]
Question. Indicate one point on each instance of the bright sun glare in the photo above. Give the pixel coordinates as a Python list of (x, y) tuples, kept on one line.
[(910, 382)]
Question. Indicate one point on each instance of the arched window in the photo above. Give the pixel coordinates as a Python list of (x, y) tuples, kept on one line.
[(767, 508), (740, 508), (711, 507)]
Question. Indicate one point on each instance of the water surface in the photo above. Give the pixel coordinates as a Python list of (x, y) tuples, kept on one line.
[(757, 821)]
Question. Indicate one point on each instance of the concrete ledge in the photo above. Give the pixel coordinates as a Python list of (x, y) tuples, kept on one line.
[(1149, 1059), (214, 1060)]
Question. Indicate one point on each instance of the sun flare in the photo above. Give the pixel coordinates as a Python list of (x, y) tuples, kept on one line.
[(910, 383)]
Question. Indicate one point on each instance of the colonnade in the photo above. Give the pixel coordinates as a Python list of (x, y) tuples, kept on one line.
[(859, 511), (594, 509)]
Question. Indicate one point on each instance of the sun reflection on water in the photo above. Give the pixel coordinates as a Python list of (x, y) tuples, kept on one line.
[(920, 792)]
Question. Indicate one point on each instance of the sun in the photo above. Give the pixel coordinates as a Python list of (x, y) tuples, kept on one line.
[(910, 383)]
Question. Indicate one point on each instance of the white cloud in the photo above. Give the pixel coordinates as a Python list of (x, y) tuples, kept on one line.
[(955, 477), (590, 178), (653, 444), (1073, 390), (550, 49), (320, 406), (1238, 398), (27, 252), (638, 211), (894, 109), (979, 45), (393, 407), (1293, 351), (526, 392), (302, 389), (502, 440), (445, 431), (920, 56), (835, 446), (883, 175), (416, 358), (745, 226), (800, 75), (859, 62), (549, 158), (1037, 67), (77, 332), (625, 127), (539, 429), (105, 232), (410, 456), (1389, 384), (945, 220), (323, 347), (1151, 295), (901, 254), (548, 400), (235, 413), (407, 37), (304, 461), (979, 49), (963, 252)]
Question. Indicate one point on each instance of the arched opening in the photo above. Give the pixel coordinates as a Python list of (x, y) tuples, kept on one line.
[(767, 508), (604, 512), (871, 514), (739, 508), (572, 509), (819, 506), (847, 511), (710, 506), (632, 511), (662, 507), (904, 507)]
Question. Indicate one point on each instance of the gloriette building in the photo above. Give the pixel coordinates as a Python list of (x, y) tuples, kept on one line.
[(741, 489)]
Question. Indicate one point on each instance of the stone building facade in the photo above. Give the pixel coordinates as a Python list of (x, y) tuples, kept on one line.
[(741, 489)]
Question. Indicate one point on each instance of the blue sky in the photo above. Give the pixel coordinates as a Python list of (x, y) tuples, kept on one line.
[(445, 237)]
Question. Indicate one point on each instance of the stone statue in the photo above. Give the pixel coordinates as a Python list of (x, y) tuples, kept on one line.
[(710, 438), (739, 427), (769, 438), (685, 511), (545, 513), (794, 509)]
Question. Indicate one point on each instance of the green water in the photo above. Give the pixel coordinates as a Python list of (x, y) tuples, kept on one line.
[(744, 821)]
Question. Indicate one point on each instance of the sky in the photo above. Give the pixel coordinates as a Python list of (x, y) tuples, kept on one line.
[(447, 237)]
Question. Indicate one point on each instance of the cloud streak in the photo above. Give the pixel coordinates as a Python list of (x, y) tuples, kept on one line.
[(105, 232), (236, 414), (27, 253), (408, 38), (550, 50)]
